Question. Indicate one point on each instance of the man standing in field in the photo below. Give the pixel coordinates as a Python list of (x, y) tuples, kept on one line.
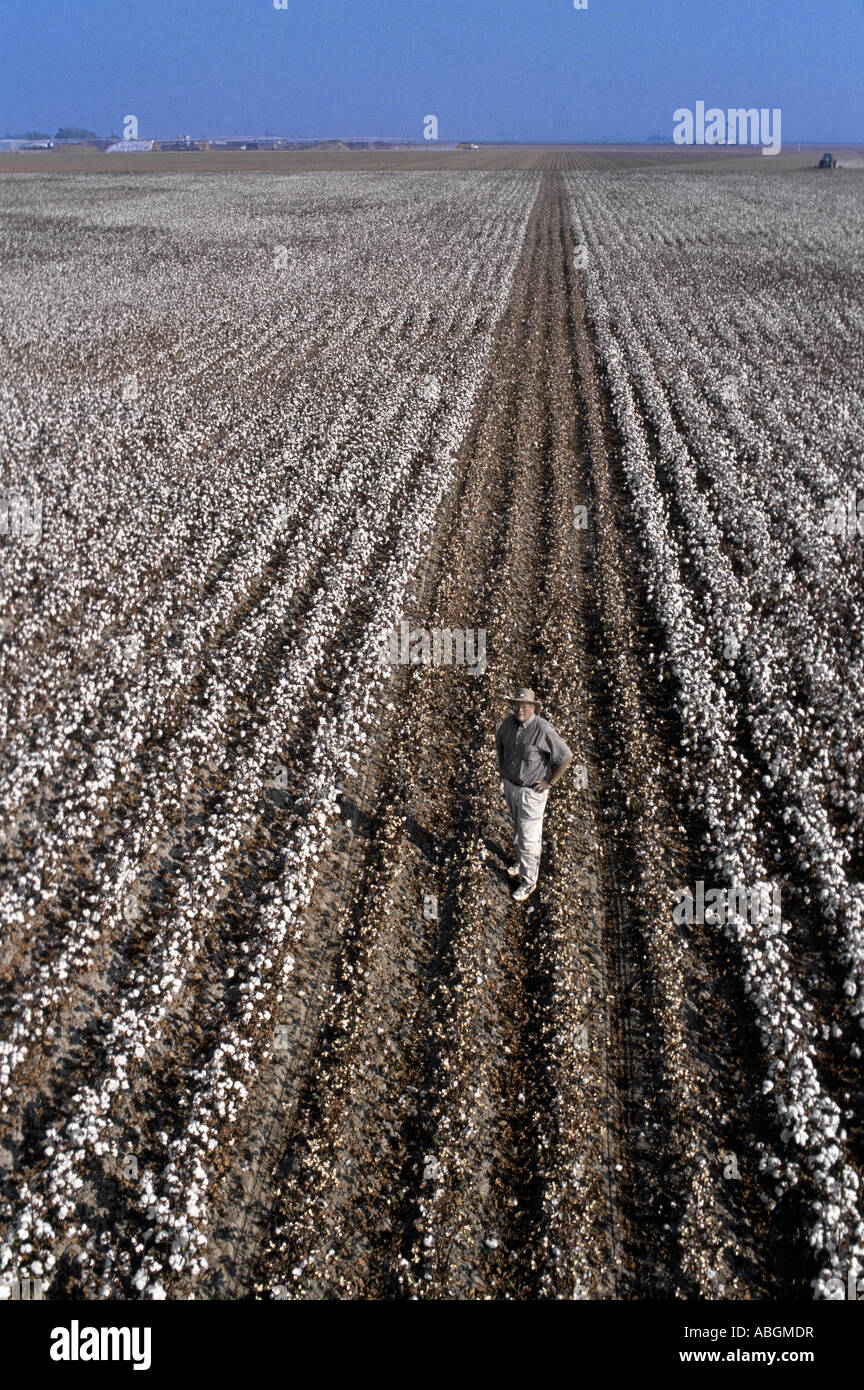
[(532, 755)]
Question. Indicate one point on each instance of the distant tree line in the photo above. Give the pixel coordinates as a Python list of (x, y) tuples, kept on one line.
[(74, 132), (69, 132)]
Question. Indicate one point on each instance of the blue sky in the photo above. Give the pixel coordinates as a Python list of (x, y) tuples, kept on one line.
[(488, 69)]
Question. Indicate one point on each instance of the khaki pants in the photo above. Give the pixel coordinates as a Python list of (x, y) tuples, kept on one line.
[(526, 811)]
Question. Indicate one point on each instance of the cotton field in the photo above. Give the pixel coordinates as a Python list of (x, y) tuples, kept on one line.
[(271, 1025), (726, 321)]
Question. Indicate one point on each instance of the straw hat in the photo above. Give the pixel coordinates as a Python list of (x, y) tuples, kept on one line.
[(523, 697)]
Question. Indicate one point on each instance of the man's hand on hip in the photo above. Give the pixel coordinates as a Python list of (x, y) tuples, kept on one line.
[(557, 772)]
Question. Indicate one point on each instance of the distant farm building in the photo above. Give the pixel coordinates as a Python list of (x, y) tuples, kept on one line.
[(132, 147), (9, 146), (80, 142)]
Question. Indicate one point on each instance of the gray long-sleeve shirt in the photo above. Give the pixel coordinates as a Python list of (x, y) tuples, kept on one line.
[(528, 752)]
